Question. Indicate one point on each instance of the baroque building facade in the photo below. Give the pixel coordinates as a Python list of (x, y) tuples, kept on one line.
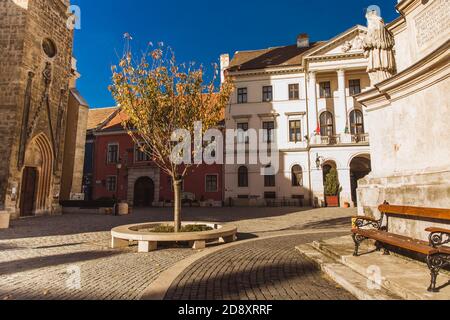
[(303, 95), (37, 79)]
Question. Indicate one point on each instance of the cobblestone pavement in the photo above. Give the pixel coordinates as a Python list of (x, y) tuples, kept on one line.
[(268, 269), (41, 258)]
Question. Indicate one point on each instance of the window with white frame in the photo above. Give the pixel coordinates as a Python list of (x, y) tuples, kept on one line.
[(211, 183), (267, 93), (269, 129), (325, 89), (111, 183), (242, 135), (295, 131), (294, 91), (140, 155), (354, 86), (297, 176), (242, 95), (113, 153)]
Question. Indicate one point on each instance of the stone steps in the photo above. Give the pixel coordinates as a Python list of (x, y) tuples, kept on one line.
[(398, 277)]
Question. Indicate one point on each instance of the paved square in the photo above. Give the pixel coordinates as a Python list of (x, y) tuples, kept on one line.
[(68, 257)]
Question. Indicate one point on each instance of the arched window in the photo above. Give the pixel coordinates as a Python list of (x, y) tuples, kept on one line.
[(356, 122), (243, 177), (326, 124), (297, 176)]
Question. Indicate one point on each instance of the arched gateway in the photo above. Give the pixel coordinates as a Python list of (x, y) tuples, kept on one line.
[(360, 167), (144, 192)]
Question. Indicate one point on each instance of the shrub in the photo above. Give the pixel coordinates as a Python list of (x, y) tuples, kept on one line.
[(186, 228), (332, 186)]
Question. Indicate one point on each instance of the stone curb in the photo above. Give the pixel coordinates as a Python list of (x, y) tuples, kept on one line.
[(157, 289)]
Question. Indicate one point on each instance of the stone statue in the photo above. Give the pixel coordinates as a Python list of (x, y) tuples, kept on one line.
[(379, 48)]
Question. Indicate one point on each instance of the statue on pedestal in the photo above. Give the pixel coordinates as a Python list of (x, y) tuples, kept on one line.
[(379, 48)]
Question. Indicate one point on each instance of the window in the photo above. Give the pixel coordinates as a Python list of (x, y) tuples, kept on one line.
[(140, 156), (267, 93), (270, 195), (243, 177), (243, 196), (297, 176), (111, 184), (113, 153), (325, 89), (242, 95), (326, 124), (294, 92), (355, 87), (295, 133), (356, 122), (211, 183), (268, 128), (49, 48), (269, 180), (242, 136)]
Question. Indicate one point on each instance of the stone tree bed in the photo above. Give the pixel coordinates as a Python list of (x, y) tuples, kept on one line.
[(147, 241)]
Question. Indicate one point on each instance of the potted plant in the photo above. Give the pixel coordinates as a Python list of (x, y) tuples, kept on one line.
[(4, 219), (332, 188)]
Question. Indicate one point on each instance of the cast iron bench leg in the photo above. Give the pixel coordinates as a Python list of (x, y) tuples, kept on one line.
[(436, 262), (358, 239)]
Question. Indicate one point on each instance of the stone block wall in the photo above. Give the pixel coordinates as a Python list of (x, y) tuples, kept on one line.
[(23, 27)]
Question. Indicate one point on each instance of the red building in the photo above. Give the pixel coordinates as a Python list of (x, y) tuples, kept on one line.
[(115, 168)]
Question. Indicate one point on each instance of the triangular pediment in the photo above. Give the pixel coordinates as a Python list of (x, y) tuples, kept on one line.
[(348, 42)]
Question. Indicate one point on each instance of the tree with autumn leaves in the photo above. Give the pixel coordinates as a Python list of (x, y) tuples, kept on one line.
[(158, 97)]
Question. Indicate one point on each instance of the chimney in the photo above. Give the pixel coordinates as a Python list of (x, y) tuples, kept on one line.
[(224, 64), (303, 40)]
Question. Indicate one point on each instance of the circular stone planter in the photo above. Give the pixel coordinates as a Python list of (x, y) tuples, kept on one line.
[(148, 241)]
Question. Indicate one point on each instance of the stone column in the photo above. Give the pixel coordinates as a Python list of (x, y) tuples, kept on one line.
[(318, 190), (312, 105), (341, 109)]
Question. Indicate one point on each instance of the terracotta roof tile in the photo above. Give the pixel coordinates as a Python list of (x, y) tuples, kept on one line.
[(271, 57), (99, 116)]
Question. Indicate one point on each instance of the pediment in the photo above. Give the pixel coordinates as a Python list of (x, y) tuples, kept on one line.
[(348, 42)]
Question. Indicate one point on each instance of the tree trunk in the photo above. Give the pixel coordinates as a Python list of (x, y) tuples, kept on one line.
[(177, 204)]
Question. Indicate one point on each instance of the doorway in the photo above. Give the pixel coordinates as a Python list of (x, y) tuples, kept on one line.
[(28, 192), (144, 192), (359, 168)]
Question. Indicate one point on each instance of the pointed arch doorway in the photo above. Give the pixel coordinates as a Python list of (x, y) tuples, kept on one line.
[(37, 177), (28, 192)]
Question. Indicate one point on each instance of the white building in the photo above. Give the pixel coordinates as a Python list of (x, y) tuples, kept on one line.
[(295, 91)]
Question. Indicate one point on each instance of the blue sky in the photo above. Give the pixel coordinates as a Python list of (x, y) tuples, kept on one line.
[(201, 30)]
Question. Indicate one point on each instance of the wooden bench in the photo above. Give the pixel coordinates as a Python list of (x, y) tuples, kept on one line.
[(438, 255)]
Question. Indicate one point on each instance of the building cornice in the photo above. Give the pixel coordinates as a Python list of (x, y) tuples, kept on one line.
[(268, 71)]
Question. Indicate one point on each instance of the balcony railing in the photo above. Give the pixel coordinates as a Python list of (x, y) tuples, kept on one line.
[(331, 140), (360, 138), (341, 139)]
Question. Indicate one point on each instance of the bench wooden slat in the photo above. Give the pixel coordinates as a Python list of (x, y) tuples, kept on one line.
[(437, 230), (398, 241), (432, 213), (444, 250), (365, 218)]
